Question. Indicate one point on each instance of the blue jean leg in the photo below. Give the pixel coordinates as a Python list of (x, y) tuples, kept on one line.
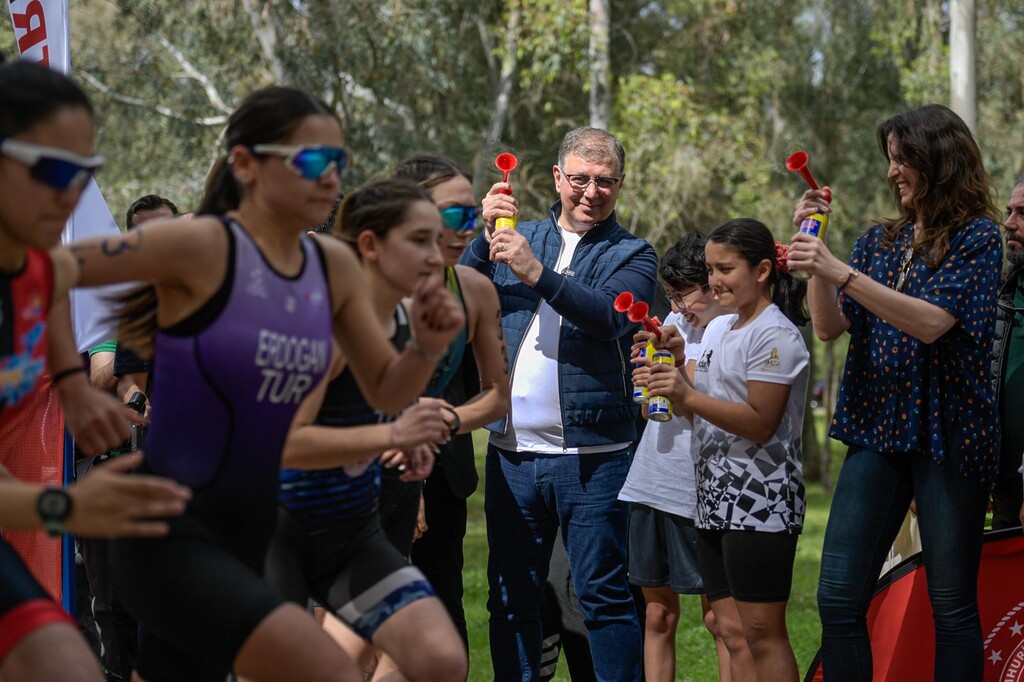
[(951, 513), (870, 501), (595, 526), (868, 507), (520, 534), (527, 498)]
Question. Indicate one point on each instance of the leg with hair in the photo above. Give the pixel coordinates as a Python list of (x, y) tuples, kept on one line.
[(711, 623), (871, 498), (741, 662), (53, 652), (662, 619), (289, 645), (764, 628), (951, 513)]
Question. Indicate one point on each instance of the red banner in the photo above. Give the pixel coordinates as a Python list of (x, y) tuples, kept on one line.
[(900, 618)]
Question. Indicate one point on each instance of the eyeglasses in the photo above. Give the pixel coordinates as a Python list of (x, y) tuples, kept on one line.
[(460, 218), (680, 298), (58, 168), (905, 267), (312, 163), (580, 182)]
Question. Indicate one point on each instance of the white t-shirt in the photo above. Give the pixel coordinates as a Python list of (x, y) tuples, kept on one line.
[(662, 474), (742, 485), (535, 414)]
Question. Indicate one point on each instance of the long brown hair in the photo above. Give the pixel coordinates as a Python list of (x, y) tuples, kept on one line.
[(267, 115), (954, 187)]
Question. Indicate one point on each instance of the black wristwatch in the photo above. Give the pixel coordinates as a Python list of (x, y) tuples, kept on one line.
[(455, 426), (53, 506)]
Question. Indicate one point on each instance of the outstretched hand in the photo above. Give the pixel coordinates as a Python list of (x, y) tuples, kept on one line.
[(108, 502)]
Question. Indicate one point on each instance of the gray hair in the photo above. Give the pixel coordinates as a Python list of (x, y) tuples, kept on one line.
[(1020, 181), (592, 144)]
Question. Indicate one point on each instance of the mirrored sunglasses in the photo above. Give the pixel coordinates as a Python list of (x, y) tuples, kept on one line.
[(57, 168), (460, 218), (312, 163)]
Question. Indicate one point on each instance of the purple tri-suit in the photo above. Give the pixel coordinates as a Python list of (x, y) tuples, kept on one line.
[(229, 380)]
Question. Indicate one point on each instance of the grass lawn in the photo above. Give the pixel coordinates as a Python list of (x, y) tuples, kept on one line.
[(695, 650)]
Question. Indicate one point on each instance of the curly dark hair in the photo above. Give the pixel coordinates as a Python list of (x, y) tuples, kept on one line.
[(954, 187)]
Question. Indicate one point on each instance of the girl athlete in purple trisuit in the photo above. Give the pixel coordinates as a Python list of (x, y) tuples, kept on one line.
[(245, 309)]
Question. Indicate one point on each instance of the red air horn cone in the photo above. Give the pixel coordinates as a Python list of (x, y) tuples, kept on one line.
[(797, 162)]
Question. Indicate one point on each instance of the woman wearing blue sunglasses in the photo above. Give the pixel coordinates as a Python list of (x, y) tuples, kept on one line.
[(46, 154), (474, 382), (246, 304)]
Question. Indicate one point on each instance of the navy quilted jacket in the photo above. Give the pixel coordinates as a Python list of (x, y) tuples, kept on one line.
[(593, 351)]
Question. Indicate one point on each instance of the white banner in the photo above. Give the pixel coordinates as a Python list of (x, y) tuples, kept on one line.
[(43, 31)]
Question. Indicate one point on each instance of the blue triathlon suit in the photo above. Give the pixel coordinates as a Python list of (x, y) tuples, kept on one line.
[(329, 544)]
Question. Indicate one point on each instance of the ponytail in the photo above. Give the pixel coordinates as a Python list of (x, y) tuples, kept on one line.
[(753, 241), (222, 192)]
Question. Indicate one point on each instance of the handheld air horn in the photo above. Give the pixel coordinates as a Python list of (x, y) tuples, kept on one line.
[(637, 311), (816, 223), (797, 162), (506, 163)]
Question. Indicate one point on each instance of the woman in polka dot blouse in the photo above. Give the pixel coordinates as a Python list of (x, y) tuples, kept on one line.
[(916, 405)]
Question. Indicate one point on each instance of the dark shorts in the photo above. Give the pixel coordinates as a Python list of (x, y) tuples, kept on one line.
[(196, 600), (746, 565), (399, 506), (349, 566), (24, 605), (662, 550)]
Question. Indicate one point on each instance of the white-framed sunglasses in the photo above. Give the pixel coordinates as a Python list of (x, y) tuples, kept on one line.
[(58, 168), (309, 161)]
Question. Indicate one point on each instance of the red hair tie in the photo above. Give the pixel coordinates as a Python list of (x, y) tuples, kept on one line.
[(781, 254)]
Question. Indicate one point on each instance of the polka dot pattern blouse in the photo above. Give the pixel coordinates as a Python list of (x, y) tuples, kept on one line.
[(900, 394)]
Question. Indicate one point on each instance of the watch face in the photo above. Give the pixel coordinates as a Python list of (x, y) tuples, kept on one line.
[(54, 504)]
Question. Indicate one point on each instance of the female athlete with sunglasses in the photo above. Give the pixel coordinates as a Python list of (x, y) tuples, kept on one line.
[(329, 542), (479, 390), (245, 306), (46, 143)]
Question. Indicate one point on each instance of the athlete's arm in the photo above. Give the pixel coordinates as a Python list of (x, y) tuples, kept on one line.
[(96, 420), (490, 352), (105, 503), (312, 446), (389, 381)]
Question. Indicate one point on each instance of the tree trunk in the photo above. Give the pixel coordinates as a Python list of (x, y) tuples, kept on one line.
[(600, 65), (962, 61), (828, 406), (503, 81), (811, 443)]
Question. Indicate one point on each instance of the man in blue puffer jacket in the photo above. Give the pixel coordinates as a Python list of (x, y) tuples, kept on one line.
[(560, 458)]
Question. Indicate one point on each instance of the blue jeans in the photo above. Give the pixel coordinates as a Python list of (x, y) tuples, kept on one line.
[(527, 498), (871, 499)]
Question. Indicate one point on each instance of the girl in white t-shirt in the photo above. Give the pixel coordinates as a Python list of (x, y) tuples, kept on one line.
[(746, 401), (661, 486)]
